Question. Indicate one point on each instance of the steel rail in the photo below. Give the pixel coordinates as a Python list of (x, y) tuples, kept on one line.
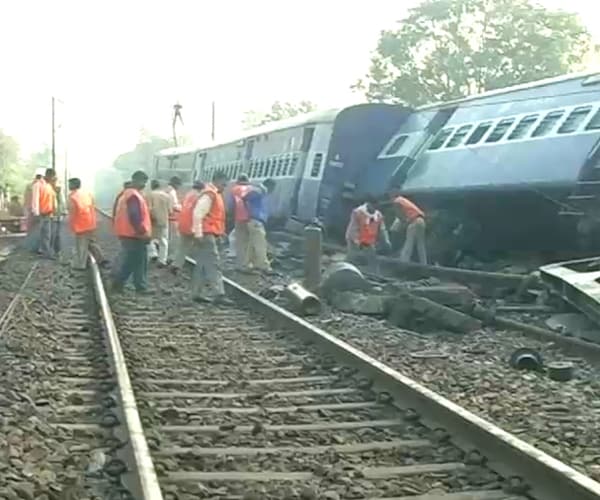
[(143, 483)]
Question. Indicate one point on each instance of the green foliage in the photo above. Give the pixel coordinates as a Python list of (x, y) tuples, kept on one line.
[(108, 182), (15, 172), (446, 49), (279, 111)]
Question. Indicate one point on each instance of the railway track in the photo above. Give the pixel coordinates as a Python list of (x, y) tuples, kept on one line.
[(246, 402), (253, 402), (66, 429)]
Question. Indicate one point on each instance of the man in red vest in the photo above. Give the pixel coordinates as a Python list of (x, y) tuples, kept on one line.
[(133, 228), (414, 218), (241, 218), (203, 218), (46, 206), (363, 231), (82, 221)]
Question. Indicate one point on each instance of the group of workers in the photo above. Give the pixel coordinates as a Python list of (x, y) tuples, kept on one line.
[(367, 228), (158, 227), (43, 208), (163, 226)]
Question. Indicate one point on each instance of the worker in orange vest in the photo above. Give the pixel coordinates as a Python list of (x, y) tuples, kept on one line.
[(44, 211), (241, 218), (82, 222), (172, 191), (203, 219), (363, 232), (133, 228), (414, 218), (32, 241), (184, 226)]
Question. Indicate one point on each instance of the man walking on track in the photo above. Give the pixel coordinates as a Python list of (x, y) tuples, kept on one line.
[(133, 227), (175, 207), (31, 206), (255, 202), (159, 204), (414, 217), (82, 221), (203, 218), (240, 215), (45, 210), (186, 235)]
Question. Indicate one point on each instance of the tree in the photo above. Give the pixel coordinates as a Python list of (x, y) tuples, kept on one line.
[(279, 111), (446, 49)]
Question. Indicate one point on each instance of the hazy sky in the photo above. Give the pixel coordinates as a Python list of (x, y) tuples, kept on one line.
[(121, 65)]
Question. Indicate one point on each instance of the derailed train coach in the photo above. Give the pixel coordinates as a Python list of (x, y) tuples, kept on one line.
[(513, 169), (308, 156), (516, 168)]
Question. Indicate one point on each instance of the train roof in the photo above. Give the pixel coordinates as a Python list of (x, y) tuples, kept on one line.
[(589, 77), (326, 116)]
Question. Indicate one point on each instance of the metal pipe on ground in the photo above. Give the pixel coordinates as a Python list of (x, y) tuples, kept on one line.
[(303, 301)]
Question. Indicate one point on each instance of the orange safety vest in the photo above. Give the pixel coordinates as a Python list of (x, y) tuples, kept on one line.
[(47, 199), (238, 192), (123, 227), (82, 213), (368, 227), (214, 222), (186, 216), (410, 210)]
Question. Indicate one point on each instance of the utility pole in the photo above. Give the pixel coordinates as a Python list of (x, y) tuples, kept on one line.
[(212, 127), (53, 136)]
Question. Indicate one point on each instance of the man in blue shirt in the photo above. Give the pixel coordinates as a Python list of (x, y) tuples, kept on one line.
[(256, 205)]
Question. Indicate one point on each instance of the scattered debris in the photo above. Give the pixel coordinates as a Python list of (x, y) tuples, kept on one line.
[(576, 325), (303, 301), (343, 276), (406, 307), (359, 303), (561, 371), (526, 358)]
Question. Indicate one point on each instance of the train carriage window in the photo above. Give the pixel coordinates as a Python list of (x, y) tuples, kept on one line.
[(440, 139), (500, 130), (270, 167), (294, 165), (281, 166), (316, 166), (478, 133), (574, 120), (548, 123), (396, 145), (594, 123), (523, 127), (286, 165), (459, 136)]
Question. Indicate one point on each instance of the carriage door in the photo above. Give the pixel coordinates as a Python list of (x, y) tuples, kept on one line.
[(307, 137)]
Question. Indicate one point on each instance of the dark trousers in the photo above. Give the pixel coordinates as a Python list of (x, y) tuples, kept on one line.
[(46, 227), (133, 260), (55, 238)]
